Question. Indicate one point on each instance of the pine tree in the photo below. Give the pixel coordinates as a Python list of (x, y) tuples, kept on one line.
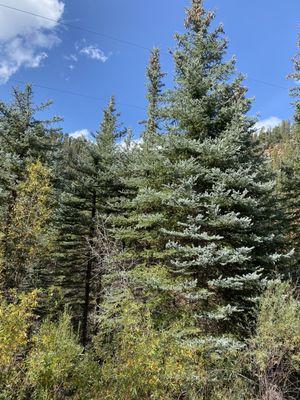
[(154, 93), (91, 189), (139, 227), (227, 234), (24, 139), (289, 184)]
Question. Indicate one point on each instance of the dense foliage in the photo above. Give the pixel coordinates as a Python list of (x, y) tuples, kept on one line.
[(164, 268)]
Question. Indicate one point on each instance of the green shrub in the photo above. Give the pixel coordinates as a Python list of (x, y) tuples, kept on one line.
[(16, 319), (147, 363), (275, 349), (57, 368)]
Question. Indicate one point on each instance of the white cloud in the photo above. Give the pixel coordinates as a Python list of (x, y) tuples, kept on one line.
[(72, 57), (267, 123), (82, 49), (24, 38), (93, 52), (80, 133)]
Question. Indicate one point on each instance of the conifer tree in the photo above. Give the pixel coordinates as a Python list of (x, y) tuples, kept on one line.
[(290, 171), (91, 189), (139, 227), (24, 139), (227, 235), (154, 93)]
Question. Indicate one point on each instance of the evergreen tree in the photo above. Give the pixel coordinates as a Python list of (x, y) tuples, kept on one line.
[(282, 145), (290, 172), (73, 221), (24, 139), (91, 189), (154, 93), (144, 276), (227, 235), (139, 227)]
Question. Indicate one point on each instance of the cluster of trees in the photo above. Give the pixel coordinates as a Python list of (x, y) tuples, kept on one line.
[(163, 269)]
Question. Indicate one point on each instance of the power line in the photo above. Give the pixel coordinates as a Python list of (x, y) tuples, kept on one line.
[(86, 96), (115, 39), (267, 83), (80, 28)]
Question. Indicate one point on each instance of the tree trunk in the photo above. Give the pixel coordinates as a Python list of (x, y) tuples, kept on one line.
[(88, 277)]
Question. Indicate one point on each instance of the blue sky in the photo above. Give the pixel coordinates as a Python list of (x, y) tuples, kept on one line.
[(262, 34)]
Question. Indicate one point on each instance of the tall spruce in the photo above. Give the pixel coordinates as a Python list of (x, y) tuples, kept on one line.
[(227, 235), (90, 195), (168, 298), (290, 171), (139, 227)]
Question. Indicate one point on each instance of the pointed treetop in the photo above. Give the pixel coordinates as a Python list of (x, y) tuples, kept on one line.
[(197, 17), (109, 123), (109, 114), (295, 92), (154, 87), (109, 130), (112, 104), (296, 74)]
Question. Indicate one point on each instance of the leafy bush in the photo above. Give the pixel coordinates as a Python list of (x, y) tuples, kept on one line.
[(57, 368), (268, 367), (146, 362), (274, 353), (16, 317)]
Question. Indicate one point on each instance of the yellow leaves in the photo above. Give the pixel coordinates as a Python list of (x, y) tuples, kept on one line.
[(27, 237), (148, 362), (56, 364), (15, 321), (32, 209)]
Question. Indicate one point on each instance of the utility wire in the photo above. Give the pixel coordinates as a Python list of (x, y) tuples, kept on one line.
[(267, 83), (80, 28), (75, 93), (111, 38)]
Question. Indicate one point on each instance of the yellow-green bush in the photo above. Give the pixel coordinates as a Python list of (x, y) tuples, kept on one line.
[(140, 360), (16, 317), (268, 368), (57, 368), (147, 363), (26, 238), (274, 354)]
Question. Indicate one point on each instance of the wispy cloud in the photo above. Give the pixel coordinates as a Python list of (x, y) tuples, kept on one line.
[(91, 51), (94, 53), (72, 57), (24, 39), (80, 133), (268, 123)]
